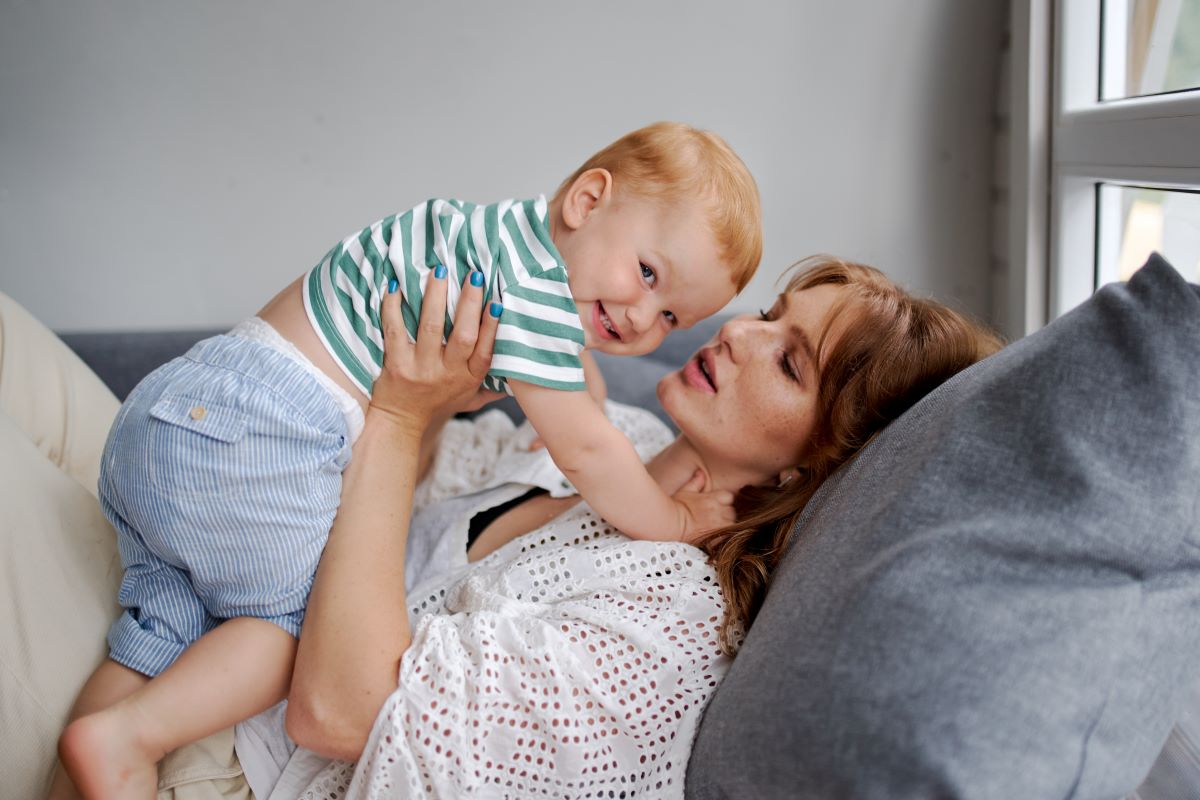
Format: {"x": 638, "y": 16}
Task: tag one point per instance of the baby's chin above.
{"x": 619, "y": 348}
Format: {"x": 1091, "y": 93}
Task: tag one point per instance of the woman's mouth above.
{"x": 603, "y": 325}
{"x": 698, "y": 373}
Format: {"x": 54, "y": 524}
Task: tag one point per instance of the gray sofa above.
{"x": 999, "y": 598}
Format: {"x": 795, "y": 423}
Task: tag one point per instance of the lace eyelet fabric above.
{"x": 488, "y": 450}
{"x": 572, "y": 662}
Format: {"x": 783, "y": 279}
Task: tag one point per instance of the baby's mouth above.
{"x": 606, "y": 322}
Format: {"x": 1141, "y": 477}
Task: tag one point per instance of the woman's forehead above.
{"x": 823, "y": 312}
{"x": 814, "y": 301}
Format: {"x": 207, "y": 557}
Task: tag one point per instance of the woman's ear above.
{"x": 788, "y": 475}
{"x": 590, "y": 190}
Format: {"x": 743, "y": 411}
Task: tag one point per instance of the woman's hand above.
{"x": 427, "y": 381}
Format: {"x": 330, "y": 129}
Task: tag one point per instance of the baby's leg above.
{"x": 222, "y": 478}
{"x": 238, "y": 669}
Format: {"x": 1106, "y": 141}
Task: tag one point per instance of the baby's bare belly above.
{"x": 285, "y": 313}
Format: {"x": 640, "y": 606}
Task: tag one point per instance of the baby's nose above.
{"x": 641, "y": 316}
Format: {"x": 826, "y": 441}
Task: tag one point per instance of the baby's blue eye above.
{"x": 648, "y": 274}
{"x": 670, "y": 317}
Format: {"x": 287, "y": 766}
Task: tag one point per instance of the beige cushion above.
{"x": 58, "y": 588}
{"x": 205, "y": 770}
{"x": 60, "y": 404}
{"x": 59, "y": 567}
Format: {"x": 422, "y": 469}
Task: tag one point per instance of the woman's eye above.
{"x": 763, "y": 315}
{"x": 648, "y": 275}
{"x": 786, "y": 365}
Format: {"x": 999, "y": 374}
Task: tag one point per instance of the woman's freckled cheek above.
{"x": 779, "y": 426}
{"x": 763, "y": 426}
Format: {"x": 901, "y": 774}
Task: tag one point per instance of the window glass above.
{"x": 1149, "y": 47}
{"x": 1133, "y": 221}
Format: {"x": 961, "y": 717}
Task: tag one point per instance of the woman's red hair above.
{"x": 894, "y": 349}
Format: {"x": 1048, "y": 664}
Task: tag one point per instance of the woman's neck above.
{"x": 672, "y": 468}
{"x": 678, "y": 461}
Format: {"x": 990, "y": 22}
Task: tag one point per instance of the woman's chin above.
{"x": 669, "y": 392}
{"x": 661, "y": 391}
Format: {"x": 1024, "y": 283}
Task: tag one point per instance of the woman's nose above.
{"x": 736, "y": 334}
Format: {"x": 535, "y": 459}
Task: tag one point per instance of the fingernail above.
{"x": 494, "y": 309}
{"x": 477, "y": 279}
{"x": 439, "y": 271}
{"x": 393, "y": 285}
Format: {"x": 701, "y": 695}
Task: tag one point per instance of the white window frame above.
{"x": 1028, "y": 175}
{"x": 1145, "y": 141}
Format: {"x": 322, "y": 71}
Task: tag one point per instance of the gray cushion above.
{"x": 123, "y": 358}
{"x": 1176, "y": 773}
{"x": 1000, "y": 597}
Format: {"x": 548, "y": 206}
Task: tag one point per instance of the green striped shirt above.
{"x": 540, "y": 336}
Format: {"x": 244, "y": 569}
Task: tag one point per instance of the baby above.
{"x": 223, "y": 471}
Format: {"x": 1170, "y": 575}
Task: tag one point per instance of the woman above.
{"x": 565, "y": 659}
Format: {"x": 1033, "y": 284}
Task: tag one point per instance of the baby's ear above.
{"x": 592, "y": 189}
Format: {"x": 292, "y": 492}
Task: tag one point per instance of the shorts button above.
{"x": 199, "y": 413}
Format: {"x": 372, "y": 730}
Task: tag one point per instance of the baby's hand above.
{"x": 703, "y": 511}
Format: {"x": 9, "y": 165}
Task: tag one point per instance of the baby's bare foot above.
{"x": 62, "y": 788}
{"x": 104, "y": 756}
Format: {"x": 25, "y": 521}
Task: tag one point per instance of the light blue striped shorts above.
{"x": 222, "y": 475}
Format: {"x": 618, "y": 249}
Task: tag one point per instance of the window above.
{"x": 1149, "y": 47}
{"x": 1125, "y": 142}
{"x": 1132, "y": 221}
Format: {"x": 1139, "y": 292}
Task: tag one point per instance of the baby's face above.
{"x": 640, "y": 268}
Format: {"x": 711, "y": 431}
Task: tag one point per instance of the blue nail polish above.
{"x": 439, "y": 271}
{"x": 393, "y": 285}
{"x": 495, "y": 309}
{"x": 477, "y": 279}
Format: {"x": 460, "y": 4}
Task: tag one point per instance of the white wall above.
{"x": 174, "y": 164}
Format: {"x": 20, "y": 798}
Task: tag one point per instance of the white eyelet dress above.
{"x": 572, "y": 662}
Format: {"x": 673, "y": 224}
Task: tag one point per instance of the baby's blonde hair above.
{"x": 671, "y": 161}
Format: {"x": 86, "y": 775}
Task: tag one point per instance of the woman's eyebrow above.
{"x": 798, "y": 333}
{"x": 805, "y": 343}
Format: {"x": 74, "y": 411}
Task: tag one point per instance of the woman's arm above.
{"x": 356, "y": 625}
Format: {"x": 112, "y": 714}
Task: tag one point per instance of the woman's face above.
{"x": 747, "y": 399}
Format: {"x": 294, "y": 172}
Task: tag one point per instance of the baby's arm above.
{"x": 605, "y": 468}
{"x": 596, "y": 387}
